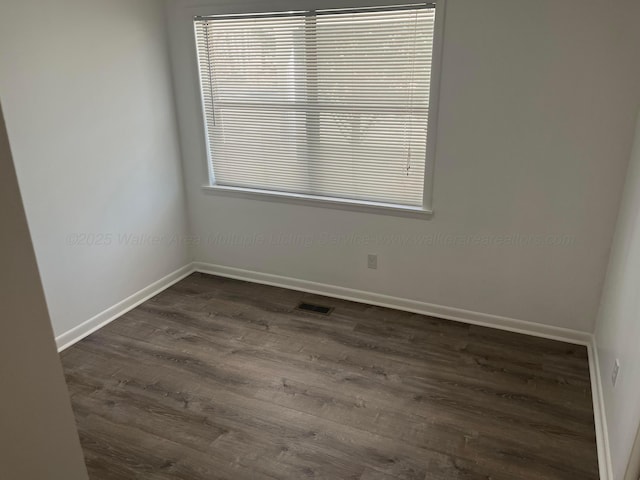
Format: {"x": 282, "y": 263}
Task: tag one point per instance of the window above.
{"x": 325, "y": 104}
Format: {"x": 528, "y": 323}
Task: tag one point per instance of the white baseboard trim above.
{"x": 86, "y": 328}
{"x": 450, "y": 313}
{"x": 414, "y": 306}
{"x": 599, "y": 414}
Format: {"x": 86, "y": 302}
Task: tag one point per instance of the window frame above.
{"x": 251, "y": 6}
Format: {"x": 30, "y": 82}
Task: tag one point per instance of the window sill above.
{"x": 318, "y": 201}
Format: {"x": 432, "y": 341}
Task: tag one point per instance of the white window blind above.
{"x": 330, "y": 103}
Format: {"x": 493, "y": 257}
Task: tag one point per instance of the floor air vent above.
{"x": 309, "y": 307}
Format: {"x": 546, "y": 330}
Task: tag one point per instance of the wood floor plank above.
{"x": 218, "y": 378}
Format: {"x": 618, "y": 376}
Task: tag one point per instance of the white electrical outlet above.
{"x": 615, "y": 372}
{"x": 372, "y": 261}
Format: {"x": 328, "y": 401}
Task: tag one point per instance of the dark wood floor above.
{"x": 222, "y": 379}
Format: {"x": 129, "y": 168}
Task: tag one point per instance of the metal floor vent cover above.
{"x": 310, "y": 307}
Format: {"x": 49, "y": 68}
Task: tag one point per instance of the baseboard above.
{"x": 466, "y": 316}
{"x": 599, "y": 414}
{"x": 414, "y": 306}
{"x": 450, "y": 313}
{"x": 76, "y": 334}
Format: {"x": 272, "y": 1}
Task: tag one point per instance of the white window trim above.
{"x": 319, "y": 201}
{"x": 249, "y": 6}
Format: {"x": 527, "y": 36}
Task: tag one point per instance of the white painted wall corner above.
{"x": 105, "y": 317}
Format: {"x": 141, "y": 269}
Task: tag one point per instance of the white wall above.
{"x": 90, "y": 114}
{"x": 618, "y": 327}
{"x": 536, "y": 120}
{"x": 39, "y": 438}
